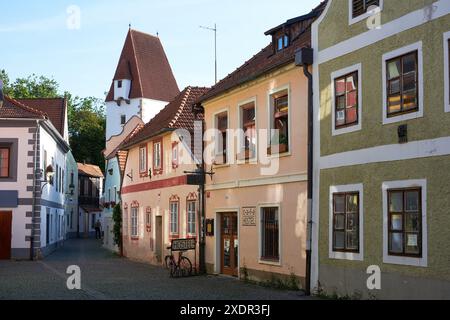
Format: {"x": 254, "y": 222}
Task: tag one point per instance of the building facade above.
{"x": 257, "y": 133}
{"x": 382, "y": 148}
{"x": 33, "y": 151}
{"x": 90, "y": 182}
{"x": 157, "y": 203}
{"x": 71, "y": 206}
{"x": 142, "y": 85}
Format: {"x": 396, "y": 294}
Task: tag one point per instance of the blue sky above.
{"x": 36, "y": 38}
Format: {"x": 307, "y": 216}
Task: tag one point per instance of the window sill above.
{"x": 402, "y": 117}
{"x": 270, "y": 262}
{"x": 346, "y": 129}
{"x": 352, "y": 256}
{"x": 407, "y": 261}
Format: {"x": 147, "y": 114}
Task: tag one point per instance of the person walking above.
{"x": 98, "y": 230}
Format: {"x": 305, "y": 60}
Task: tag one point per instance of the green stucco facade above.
{"x": 345, "y": 276}
{"x": 335, "y": 26}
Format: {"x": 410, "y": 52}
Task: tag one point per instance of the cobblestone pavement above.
{"x": 106, "y": 276}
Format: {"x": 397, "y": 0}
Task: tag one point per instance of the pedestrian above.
{"x": 98, "y": 228}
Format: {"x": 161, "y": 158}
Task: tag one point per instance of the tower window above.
{"x": 119, "y": 84}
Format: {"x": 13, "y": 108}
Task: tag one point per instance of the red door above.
{"x": 230, "y": 244}
{"x": 5, "y": 235}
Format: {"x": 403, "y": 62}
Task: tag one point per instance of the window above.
{"x": 346, "y": 100}
{"x": 401, "y": 82}
{"x": 174, "y": 155}
{"x": 346, "y": 222}
{"x": 404, "y": 222}
{"x": 4, "y": 162}
{"x": 270, "y": 235}
{"x": 157, "y": 157}
{"x": 248, "y": 125}
{"x": 360, "y": 7}
{"x": 57, "y": 178}
{"x": 71, "y": 219}
{"x": 143, "y": 159}
{"x": 174, "y": 215}
{"x": 115, "y": 194}
{"x": 119, "y": 84}
{"x": 280, "y": 122}
{"x": 134, "y": 222}
{"x": 222, "y": 143}
{"x": 191, "y": 217}
{"x": 123, "y": 119}
{"x": 282, "y": 42}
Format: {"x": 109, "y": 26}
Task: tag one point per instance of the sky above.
{"x": 46, "y": 37}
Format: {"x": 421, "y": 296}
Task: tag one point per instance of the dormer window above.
{"x": 122, "y": 89}
{"x": 282, "y": 42}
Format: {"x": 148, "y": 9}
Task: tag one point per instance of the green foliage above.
{"x": 117, "y": 231}
{"x": 86, "y": 116}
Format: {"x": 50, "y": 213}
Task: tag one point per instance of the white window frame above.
{"x": 362, "y": 17}
{"x": 347, "y": 255}
{"x": 338, "y": 74}
{"x": 410, "y": 261}
{"x": 143, "y": 159}
{"x": 216, "y": 139}
{"x": 446, "y": 73}
{"x": 394, "y": 54}
{"x": 190, "y": 222}
{"x": 241, "y": 127}
{"x": 172, "y": 220}
{"x": 280, "y": 233}
{"x": 157, "y": 155}
{"x": 134, "y": 223}
{"x": 270, "y": 109}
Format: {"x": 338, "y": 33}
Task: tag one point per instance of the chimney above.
{"x": 2, "y": 97}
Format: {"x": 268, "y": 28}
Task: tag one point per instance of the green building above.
{"x": 382, "y": 149}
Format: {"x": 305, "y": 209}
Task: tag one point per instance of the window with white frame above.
{"x": 403, "y": 84}
{"x": 157, "y": 156}
{"x": 279, "y": 122}
{"x": 405, "y": 222}
{"x": 221, "y": 121}
{"x": 174, "y": 155}
{"x": 143, "y": 159}
{"x": 191, "y": 217}
{"x": 346, "y": 222}
{"x": 360, "y": 7}
{"x": 247, "y": 115}
{"x": 270, "y": 234}
{"x": 134, "y": 222}
{"x": 174, "y": 217}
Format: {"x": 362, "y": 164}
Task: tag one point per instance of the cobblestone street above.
{"x": 106, "y": 276}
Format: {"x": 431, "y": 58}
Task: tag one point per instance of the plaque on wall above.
{"x": 209, "y": 227}
{"x": 249, "y": 217}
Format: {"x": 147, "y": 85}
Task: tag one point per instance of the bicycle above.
{"x": 182, "y": 267}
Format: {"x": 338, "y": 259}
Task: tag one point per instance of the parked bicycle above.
{"x": 180, "y": 267}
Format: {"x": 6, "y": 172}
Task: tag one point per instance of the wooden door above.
{"x": 229, "y": 244}
{"x": 5, "y": 234}
{"x": 158, "y": 238}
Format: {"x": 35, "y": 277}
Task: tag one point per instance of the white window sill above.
{"x": 354, "y": 128}
{"x": 346, "y": 256}
{"x": 270, "y": 263}
{"x": 407, "y": 261}
{"x": 403, "y": 117}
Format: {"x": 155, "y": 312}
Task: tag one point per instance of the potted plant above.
{"x": 283, "y": 145}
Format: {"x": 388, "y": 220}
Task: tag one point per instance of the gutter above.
{"x": 33, "y": 209}
{"x": 305, "y": 58}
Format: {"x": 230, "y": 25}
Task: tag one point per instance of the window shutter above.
{"x": 360, "y": 6}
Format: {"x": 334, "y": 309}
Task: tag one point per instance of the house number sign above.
{"x": 249, "y": 217}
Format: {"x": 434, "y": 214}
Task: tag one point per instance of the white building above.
{"x": 33, "y": 150}
{"x": 143, "y": 84}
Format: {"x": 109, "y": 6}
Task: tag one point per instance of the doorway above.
{"x": 229, "y": 243}
{"x": 5, "y": 234}
{"x": 159, "y": 240}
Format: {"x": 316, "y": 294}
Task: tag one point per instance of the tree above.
{"x": 86, "y": 116}
{"x": 117, "y": 218}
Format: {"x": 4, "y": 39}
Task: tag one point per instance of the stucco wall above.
{"x": 435, "y": 122}
{"x": 335, "y": 27}
{"x": 372, "y": 176}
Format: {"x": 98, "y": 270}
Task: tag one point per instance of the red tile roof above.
{"x": 267, "y": 60}
{"x": 55, "y": 108}
{"x": 90, "y": 170}
{"x": 176, "y": 115}
{"x": 144, "y": 61}
{"x": 15, "y": 109}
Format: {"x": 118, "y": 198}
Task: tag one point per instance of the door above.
{"x": 5, "y": 234}
{"x": 229, "y": 244}
{"x": 159, "y": 240}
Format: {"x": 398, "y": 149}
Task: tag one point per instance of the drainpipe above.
{"x": 33, "y": 210}
{"x": 305, "y": 58}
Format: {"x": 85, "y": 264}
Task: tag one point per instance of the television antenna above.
{"x": 215, "y": 46}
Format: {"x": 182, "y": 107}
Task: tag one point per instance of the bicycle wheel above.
{"x": 186, "y": 266}
{"x": 168, "y": 261}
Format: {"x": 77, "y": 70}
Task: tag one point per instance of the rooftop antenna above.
{"x": 129, "y": 26}
{"x": 215, "y": 46}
